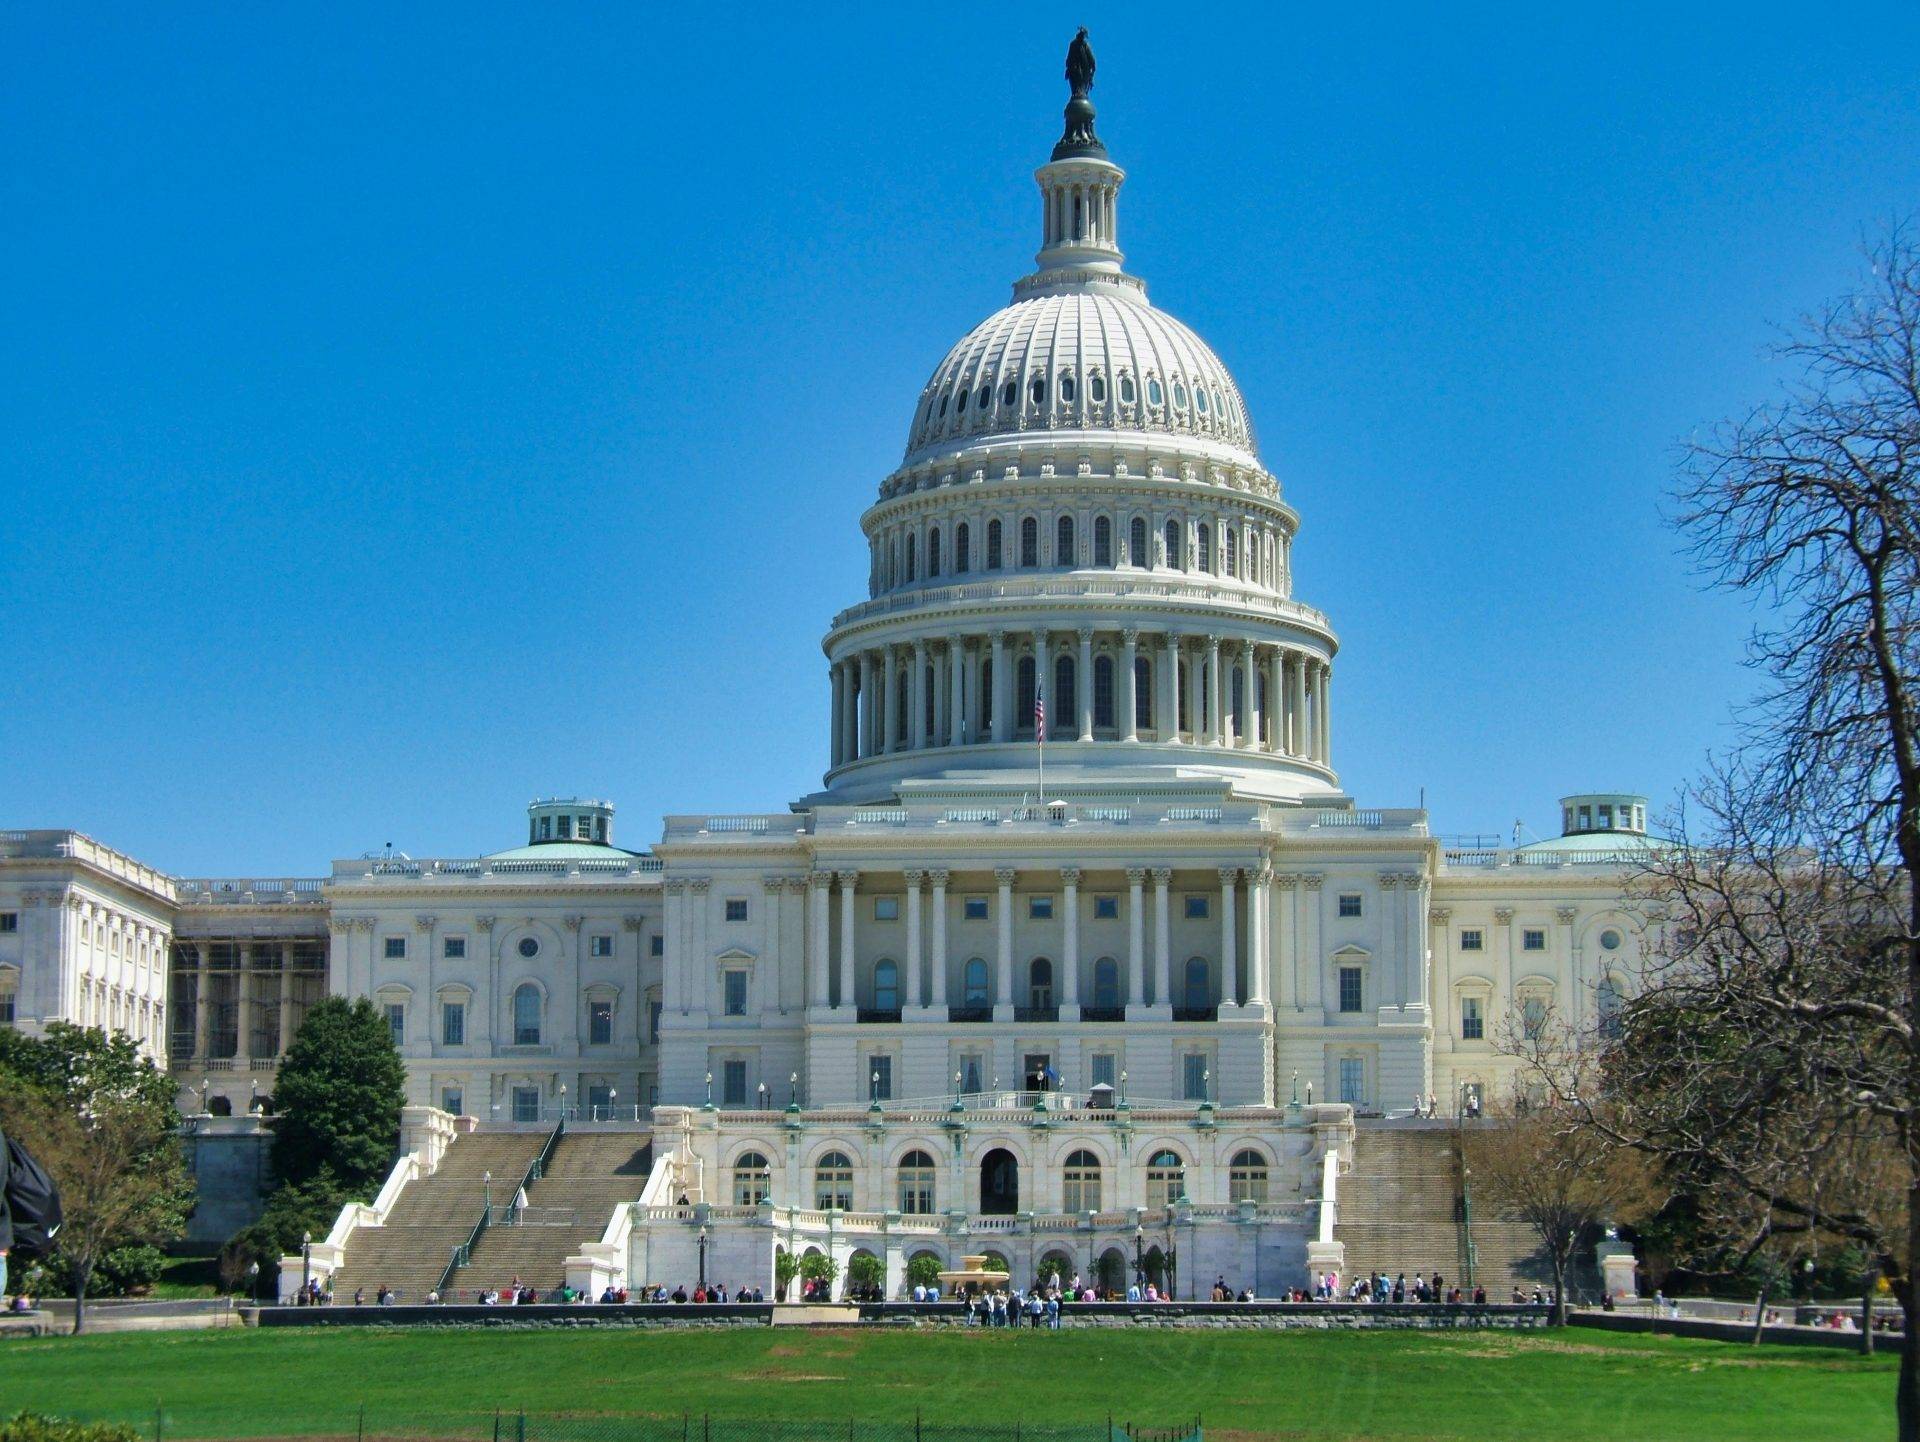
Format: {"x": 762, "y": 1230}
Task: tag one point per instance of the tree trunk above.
{"x": 1760, "y": 1317}
{"x": 1559, "y": 1289}
{"x": 1866, "y": 1321}
{"x": 82, "y": 1274}
{"x": 1907, "y": 1394}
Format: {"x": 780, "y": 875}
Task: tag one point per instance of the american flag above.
{"x": 1040, "y": 712}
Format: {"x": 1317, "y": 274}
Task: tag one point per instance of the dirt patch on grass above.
{"x": 774, "y": 1374}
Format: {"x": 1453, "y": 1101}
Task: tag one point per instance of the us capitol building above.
{"x": 932, "y": 1005}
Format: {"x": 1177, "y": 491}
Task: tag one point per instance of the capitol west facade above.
{"x": 931, "y": 1006}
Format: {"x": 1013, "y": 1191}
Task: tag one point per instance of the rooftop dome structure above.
{"x": 1080, "y": 540}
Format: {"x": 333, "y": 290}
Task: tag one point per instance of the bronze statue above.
{"x": 1080, "y": 63}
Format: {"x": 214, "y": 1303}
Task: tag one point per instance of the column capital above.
{"x": 633, "y": 923}
{"x": 1130, "y": 635}
{"x": 1440, "y": 915}
{"x": 1229, "y": 875}
{"x": 1136, "y": 875}
{"x": 820, "y": 879}
{"x": 1566, "y": 915}
{"x": 1286, "y": 880}
{"x": 1003, "y": 875}
{"x": 939, "y": 876}
{"x": 1389, "y": 880}
{"x": 699, "y": 884}
{"x": 1502, "y": 915}
{"x": 848, "y": 879}
{"x": 1261, "y": 875}
{"x": 424, "y": 923}
{"x": 797, "y": 884}
{"x": 998, "y": 636}
{"x": 363, "y": 923}
{"x": 915, "y": 878}
{"x": 1313, "y": 880}
{"x": 1163, "y": 876}
{"x": 573, "y": 923}
{"x": 1070, "y": 875}
{"x": 1086, "y": 635}
{"x": 484, "y": 923}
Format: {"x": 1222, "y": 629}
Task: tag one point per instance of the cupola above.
{"x": 1603, "y": 811}
{"x": 569, "y": 818}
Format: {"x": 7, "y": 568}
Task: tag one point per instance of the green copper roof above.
{"x": 1589, "y": 842}
{"x": 563, "y": 851}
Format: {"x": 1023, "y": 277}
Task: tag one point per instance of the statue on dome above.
{"x": 1079, "y": 139}
{"x": 1080, "y": 63}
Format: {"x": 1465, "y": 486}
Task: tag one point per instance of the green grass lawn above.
{"x": 1486, "y": 1386}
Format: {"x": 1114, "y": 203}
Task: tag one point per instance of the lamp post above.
{"x": 563, "y": 1101}
{"x": 793, "y": 1091}
{"x": 1123, "y": 1092}
{"x": 1294, "y": 1104}
{"x": 703, "y": 1255}
{"x": 486, "y": 1180}
{"x": 709, "y": 1091}
{"x": 957, "y": 1106}
{"x": 1140, "y": 1257}
{"x": 306, "y": 1263}
{"x": 613, "y": 1103}
{"x": 763, "y": 1096}
{"x": 253, "y": 1282}
{"x": 873, "y": 1089}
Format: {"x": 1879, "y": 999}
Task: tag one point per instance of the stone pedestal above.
{"x": 1616, "y": 1269}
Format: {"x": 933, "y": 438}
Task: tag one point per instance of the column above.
{"x": 1169, "y": 679}
{"x": 1503, "y": 997}
{"x": 1296, "y": 704}
{"x": 937, "y": 660}
{"x": 1136, "y": 930}
{"x": 1003, "y": 956}
{"x": 998, "y": 708}
{"x": 889, "y": 702}
{"x": 1312, "y": 967}
{"x": 1570, "y": 987}
{"x": 242, "y": 1004}
{"x": 938, "y": 990}
{"x": 1326, "y": 714}
{"x": 850, "y": 746}
{"x": 911, "y": 996}
{"x": 819, "y": 962}
{"x": 1056, "y": 723}
{"x": 1070, "y": 947}
{"x": 957, "y": 692}
{"x": 1162, "y": 941}
{"x": 1216, "y": 716}
{"x": 1276, "y": 717}
{"x": 203, "y": 1004}
{"x": 1196, "y": 700}
{"x": 848, "y": 880}
{"x": 1249, "y": 689}
{"x": 1129, "y": 688}
{"x": 1393, "y": 931}
{"x": 286, "y": 1002}
{"x": 1083, "y": 684}
{"x": 1229, "y": 938}
{"x": 839, "y": 674}
{"x": 867, "y": 700}
{"x": 1287, "y": 955}
{"x": 699, "y": 972}
{"x": 917, "y": 723}
{"x": 1259, "y": 935}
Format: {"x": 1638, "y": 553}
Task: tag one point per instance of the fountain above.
{"x": 974, "y": 1275}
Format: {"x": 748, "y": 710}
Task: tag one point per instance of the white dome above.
{"x": 1068, "y": 358}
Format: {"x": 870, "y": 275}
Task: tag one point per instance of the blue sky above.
{"x": 410, "y": 409}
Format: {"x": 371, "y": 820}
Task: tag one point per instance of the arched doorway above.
{"x": 1113, "y": 1271}
{"x": 1156, "y": 1267}
{"x": 999, "y": 1183}
{"x": 1056, "y": 1268}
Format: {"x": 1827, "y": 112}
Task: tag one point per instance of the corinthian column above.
{"x": 914, "y": 880}
{"x": 1229, "y": 939}
{"x": 1083, "y": 687}
{"x": 849, "y": 880}
{"x": 1070, "y": 949}
{"x": 1249, "y": 687}
{"x": 1216, "y": 716}
{"x": 1162, "y": 942}
{"x": 938, "y": 990}
{"x": 998, "y": 709}
{"x": 838, "y": 673}
{"x": 1136, "y": 940}
{"x": 957, "y": 693}
{"x": 1129, "y": 686}
{"x": 1003, "y": 955}
{"x": 917, "y": 692}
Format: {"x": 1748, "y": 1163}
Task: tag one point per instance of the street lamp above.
{"x": 793, "y": 1091}
{"x": 306, "y": 1263}
{"x": 703, "y": 1256}
{"x": 709, "y": 1091}
{"x": 563, "y": 1101}
{"x": 956, "y": 1093}
{"x": 873, "y": 1089}
{"x": 486, "y": 1180}
{"x": 1294, "y": 1104}
{"x": 762, "y": 1091}
{"x": 613, "y": 1103}
{"x": 253, "y": 1282}
{"x": 1123, "y": 1092}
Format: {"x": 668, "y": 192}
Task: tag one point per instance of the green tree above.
{"x": 100, "y": 1117}
{"x": 867, "y": 1272}
{"x": 818, "y": 1267}
{"x": 786, "y": 1267}
{"x": 923, "y": 1270}
{"x": 339, "y": 1095}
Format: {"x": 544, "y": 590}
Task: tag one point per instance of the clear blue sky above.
{"x": 408, "y": 409}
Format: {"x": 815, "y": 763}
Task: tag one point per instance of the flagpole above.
{"x": 1040, "y": 737}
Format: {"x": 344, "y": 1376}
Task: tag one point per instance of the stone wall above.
{"x": 228, "y": 1157}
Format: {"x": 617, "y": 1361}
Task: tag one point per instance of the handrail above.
{"x": 463, "y": 1253}
{"x": 535, "y": 1170}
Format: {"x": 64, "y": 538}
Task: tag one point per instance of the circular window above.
{"x": 1179, "y": 395}
{"x": 1610, "y": 940}
{"x": 529, "y": 947}
{"x": 1097, "y": 388}
{"x": 1126, "y": 389}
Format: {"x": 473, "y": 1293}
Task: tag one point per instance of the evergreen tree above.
{"x": 338, "y": 1096}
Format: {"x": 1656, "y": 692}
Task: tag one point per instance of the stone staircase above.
{"x": 432, "y": 1216}
{"x": 589, "y": 1174}
{"x": 1400, "y": 1213}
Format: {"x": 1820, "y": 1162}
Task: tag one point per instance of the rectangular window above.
{"x": 973, "y": 1072}
{"x": 653, "y": 1023}
{"x": 879, "y": 1078}
{"x": 526, "y": 1104}
{"x": 735, "y": 983}
{"x": 1100, "y": 1069}
{"x": 1533, "y": 938}
{"x": 453, "y": 1101}
{"x": 1193, "y": 1076}
{"x": 1349, "y": 903}
{"x": 600, "y": 946}
{"x": 1196, "y": 908}
{"x": 1353, "y": 1081}
{"x": 736, "y": 908}
{"x": 1106, "y": 908}
{"x": 656, "y": 946}
{"x": 395, "y": 949}
{"x": 454, "y": 948}
{"x": 733, "y": 1082}
{"x": 886, "y": 908}
{"x": 1473, "y": 1025}
{"x": 9, "y": 921}
{"x": 397, "y": 1022}
{"x": 974, "y": 908}
{"x": 6, "y": 1008}
{"x": 1040, "y": 908}
{"x": 1350, "y": 988}
{"x": 453, "y": 1023}
{"x": 599, "y": 1101}
{"x": 600, "y": 1023}
{"x": 1473, "y": 939}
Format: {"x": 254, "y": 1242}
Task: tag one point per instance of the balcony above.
{"x": 1036, "y": 1013}
{"x": 877, "y": 1015}
{"x": 1103, "y": 1013}
{"x": 969, "y": 1013}
{"x": 1196, "y": 1013}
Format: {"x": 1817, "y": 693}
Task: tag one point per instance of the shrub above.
{"x": 38, "y": 1427}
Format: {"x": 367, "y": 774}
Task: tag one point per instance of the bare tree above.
{"x": 1772, "y": 1058}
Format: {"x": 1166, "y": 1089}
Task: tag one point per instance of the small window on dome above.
{"x": 1037, "y": 389}
{"x": 943, "y": 405}
{"x": 1153, "y": 392}
{"x": 1180, "y": 395}
{"x": 1009, "y": 393}
{"x": 1126, "y": 390}
{"x": 960, "y": 403}
{"x": 1066, "y": 390}
{"x": 986, "y": 396}
{"x": 1097, "y": 389}
{"x": 1199, "y": 399}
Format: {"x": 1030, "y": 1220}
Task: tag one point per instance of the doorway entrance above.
{"x": 999, "y": 1183}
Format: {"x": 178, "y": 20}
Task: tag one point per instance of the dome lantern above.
{"x": 1079, "y": 192}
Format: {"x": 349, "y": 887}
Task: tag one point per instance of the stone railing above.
{"x": 77, "y": 846}
{"x": 1499, "y": 858}
{"x": 1115, "y": 585}
{"x": 252, "y": 891}
{"x": 469, "y": 869}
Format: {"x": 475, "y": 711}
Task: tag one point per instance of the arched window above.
{"x": 1097, "y": 388}
{"x": 1154, "y": 393}
{"x": 1065, "y": 704}
{"x": 1037, "y": 390}
{"x": 1009, "y": 393}
{"x": 1039, "y": 983}
{"x": 960, "y": 402}
{"x": 1166, "y": 1178}
{"x": 1063, "y": 552}
{"x": 1247, "y": 1177}
{"x": 1195, "y": 978}
{"x": 886, "y": 986}
{"x": 916, "y": 1184}
{"x": 1102, "y": 541}
{"x": 1199, "y": 399}
{"x": 1066, "y": 390}
{"x": 986, "y": 396}
{"x": 993, "y": 545}
{"x": 1239, "y": 688}
{"x": 1023, "y": 695}
{"x": 1607, "y": 1003}
{"x": 1029, "y": 542}
{"x": 1533, "y": 1016}
{"x": 1180, "y": 394}
{"x": 933, "y": 553}
{"x": 1106, "y": 984}
{"x": 526, "y": 1014}
{"x": 1080, "y": 1182}
{"x": 903, "y": 687}
{"x": 833, "y": 1183}
{"x": 1142, "y": 693}
{"x": 1233, "y": 553}
{"x": 1173, "y": 545}
{"x": 974, "y": 983}
{"x": 1126, "y": 389}
{"x": 752, "y": 1180}
{"x": 910, "y": 571}
{"x": 1103, "y": 690}
{"x": 1137, "y": 543}
{"x": 1202, "y": 548}
{"x": 962, "y": 549}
